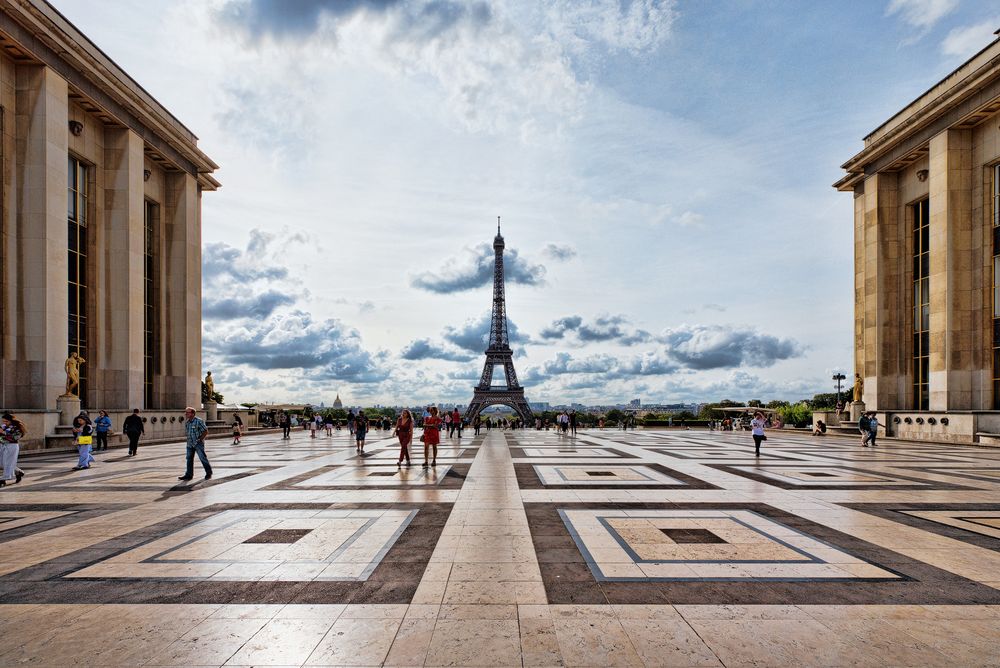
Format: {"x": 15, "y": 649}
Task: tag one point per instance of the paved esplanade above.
{"x": 656, "y": 547}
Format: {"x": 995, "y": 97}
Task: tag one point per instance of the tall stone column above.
{"x": 878, "y": 245}
{"x": 181, "y": 287}
{"x": 40, "y": 191}
{"x": 954, "y": 296}
{"x": 120, "y": 281}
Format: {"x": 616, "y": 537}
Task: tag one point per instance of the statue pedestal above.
{"x": 857, "y": 410}
{"x": 211, "y": 411}
{"x": 68, "y": 406}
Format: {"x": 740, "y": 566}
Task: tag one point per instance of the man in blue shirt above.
{"x": 196, "y": 430}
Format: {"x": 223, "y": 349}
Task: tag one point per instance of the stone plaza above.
{"x": 649, "y": 547}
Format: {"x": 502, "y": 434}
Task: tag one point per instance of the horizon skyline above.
{"x": 663, "y": 172}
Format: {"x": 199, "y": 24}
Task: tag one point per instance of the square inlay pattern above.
{"x": 564, "y": 453}
{"x": 685, "y": 553}
{"x": 376, "y": 476}
{"x": 727, "y": 545}
{"x": 611, "y": 476}
{"x": 343, "y": 553}
{"x": 812, "y": 476}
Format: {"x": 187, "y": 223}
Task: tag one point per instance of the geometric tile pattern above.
{"x": 674, "y": 547}
{"x": 345, "y": 552}
{"x": 813, "y": 476}
{"x": 605, "y": 476}
{"x": 599, "y": 554}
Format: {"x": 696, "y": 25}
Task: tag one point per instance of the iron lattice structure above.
{"x": 498, "y": 353}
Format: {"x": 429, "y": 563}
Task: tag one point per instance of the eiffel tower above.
{"x": 498, "y": 353}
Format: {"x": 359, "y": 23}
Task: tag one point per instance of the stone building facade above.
{"x": 100, "y": 230}
{"x": 926, "y": 192}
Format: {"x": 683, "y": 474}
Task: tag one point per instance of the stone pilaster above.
{"x": 878, "y": 257}
{"x": 181, "y": 290}
{"x": 40, "y": 187}
{"x": 952, "y": 280}
{"x": 120, "y": 288}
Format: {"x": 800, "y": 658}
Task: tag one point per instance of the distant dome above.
{"x": 337, "y": 403}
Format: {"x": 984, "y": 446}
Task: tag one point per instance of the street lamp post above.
{"x": 839, "y": 377}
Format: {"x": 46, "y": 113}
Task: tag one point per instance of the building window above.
{"x": 151, "y": 225}
{"x": 996, "y": 287}
{"x": 921, "y": 303}
{"x": 77, "y": 219}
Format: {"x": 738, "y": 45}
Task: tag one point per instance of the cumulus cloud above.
{"x": 475, "y": 270}
{"x": 498, "y": 65}
{"x": 559, "y": 252}
{"x": 474, "y": 334}
{"x": 966, "y": 41}
{"x": 422, "y": 349}
{"x": 296, "y": 341}
{"x": 607, "y": 367}
{"x": 921, "y": 14}
{"x": 604, "y": 328}
{"x": 716, "y": 346}
{"x": 240, "y": 306}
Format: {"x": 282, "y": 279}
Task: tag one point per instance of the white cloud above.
{"x": 966, "y": 41}
{"x": 921, "y": 14}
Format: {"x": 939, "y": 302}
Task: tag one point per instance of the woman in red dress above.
{"x": 404, "y": 432}
{"x": 432, "y": 434}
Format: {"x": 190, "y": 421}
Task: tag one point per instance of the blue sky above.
{"x": 663, "y": 170}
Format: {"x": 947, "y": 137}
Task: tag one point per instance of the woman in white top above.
{"x": 757, "y": 425}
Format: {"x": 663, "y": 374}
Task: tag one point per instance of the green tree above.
{"x": 614, "y": 415}
{"x": 825, "y": 400}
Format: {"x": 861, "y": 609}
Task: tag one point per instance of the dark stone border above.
{"x": 951, "y": 473}
{"x": 518, "y": 453}
{"x": 78, "y": 513}
{"x": 568, "y": 579}
{"x": 528, "y": 479}
{"x": 894, "y": 512}
{"x": 394, "y": 580}
{"x": 453, "y": 479}
{"x": 55, "y": 481}
{"x": 691, "y": 454}
{"x": 928, "y": 485}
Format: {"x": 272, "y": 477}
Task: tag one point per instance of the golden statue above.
{"x": 209, "y": 387}
{"x": 72, "y": 367}
{"x": 859, "y": 387}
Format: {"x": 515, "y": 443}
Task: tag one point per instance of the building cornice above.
{"x": 48, "y": 37}
{"x": 964, "y": 98}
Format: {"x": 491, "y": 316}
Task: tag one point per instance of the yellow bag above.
{"x": 85, "y": 440}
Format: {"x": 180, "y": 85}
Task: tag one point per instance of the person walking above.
{"x": 328, "y": 425}
{"x": 102, "y": 425}
{"x": 285, "y": 421}
{"x": 864, "y": 428}
{"x": 350, "y": 422}
{"x": 13, "y": 431}
{"x": 236, "y": 431}
{"x": 360, "y": 430}
{"x": 757, "y": 425}
{"x": 133, "y": 428}
{"x": 404, "y": 432}
{"x": 196, "y": 430}
{"x": 572, "y": 423}
{"x": 872, "y": 428}
{"x": 477, "y": 424}
{"x": 456, "y": 421}
{"x": 83, "y": 433}
{"x": 432, "y": 435}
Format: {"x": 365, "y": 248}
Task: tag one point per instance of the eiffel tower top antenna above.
{"x": 498, "y": 225}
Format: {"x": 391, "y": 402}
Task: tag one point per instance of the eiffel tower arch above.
{"x": 499, "y": 354}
